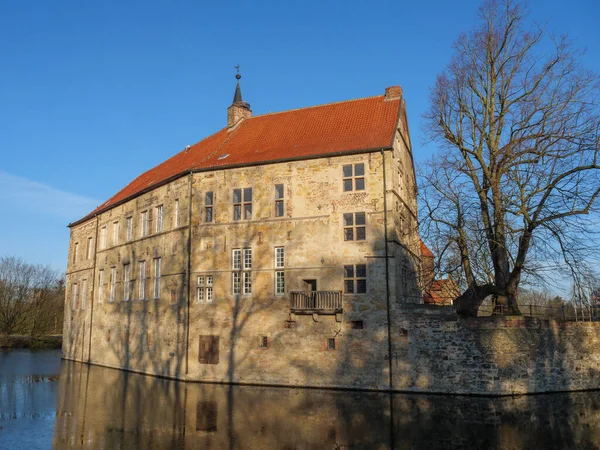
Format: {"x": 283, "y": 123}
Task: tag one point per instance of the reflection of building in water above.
{"x": 273, "y": 251}
{"x": 110, "y": 409}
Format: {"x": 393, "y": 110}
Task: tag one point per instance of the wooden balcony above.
{"x": 317, "y": 302}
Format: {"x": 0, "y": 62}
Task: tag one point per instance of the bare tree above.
{"x": 30, "y": 296}
{"x": 519, "y": 123}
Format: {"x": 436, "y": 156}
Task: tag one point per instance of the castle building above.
{"x": 276, "y": 251}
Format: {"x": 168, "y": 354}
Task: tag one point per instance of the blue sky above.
{"x": 94, "y": 93}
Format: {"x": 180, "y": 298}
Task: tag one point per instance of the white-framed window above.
{"x": 247, "y": 258}
{"x": 280, "y": 282}
{"x": 353, "y": 177}
{"x": 279, "y": 274}
{"x": 126, "y": 282}
{"x": 242, "y": 275}
{"x": 159, "y": 218}
{"x": 242, "y": 203}
{"x": 208, "y": 207}
{"x": 90, "y": 248}
{"x": 176, "y": 214}
{"x": 247, "y": 282}
{"x": 142, "y": 293}
{"x": 144, "y": 223}
{"x": 279, "y": 200}
{"x": 83, "y": 293}
{"x": 355, "y": 279}
{"x": 157, "y": 263}
{"x": 103, "y": 237}
{"x": 113, "y": 284}
{"x": 129, "y": 226}
{"x": 237, "y": 285}
{"x": 279, "y": 257}
{"x": 75, "y": 252}
{"x": 205, "y": 289}
{"x": 100, "y": 285}
{"x": 355, "y": 226}
{"x": 116, "y": 232}
{"x": 74, "y": 295}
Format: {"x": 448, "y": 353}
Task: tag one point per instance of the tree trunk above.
{"x": 506, "y": 305}
{"x": 468, "y": 303}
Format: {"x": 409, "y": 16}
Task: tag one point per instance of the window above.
{"x": 126, "y": 282}
{"x": 113, "y": 283}
{"x": 100, "y": 285}
{"x": 176, "y": 215}
{"x": 247, "y": 258}
{"x": 242, "y": 204}
{"x": 357, "y": 325}
{"x": 75, "y": 252}
{"x": 331, "y": 344}
{"x": 129, "y": 224}
{"x": 279, "y": 257}
{"x": 355, "y": 279}
{"x": 103, "y": 237}
{"x": 205, "y": 289}
{"x": 157, "y": 262}
{"x": 247, "y": 282}
{"x": 159, "y": 218}
{"x": 280, "y": 282}
{"x": 142, "y": 280}
{"x": 144, "y": 223}
{"x": 115, "y": 233}
{"x": 354, "y": 177}
{"x": 354, "y": 226}
{"x": 90, "y": 249}
{"x": 242, "y": 277}
{"x": 279, "y": 200}
{"x": 263, "y": 342}
{"x": 83, "y": 293}
{"x": 74, "y": 295}
{"x": 279, "y": 274}
{"x": 208, "y": 207}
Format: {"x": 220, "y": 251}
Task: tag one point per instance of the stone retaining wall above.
{"x": 494, "y": 355}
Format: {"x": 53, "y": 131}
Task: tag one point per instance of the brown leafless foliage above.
{"x": 519, "y": 123}
{"x": 31, "y": 298}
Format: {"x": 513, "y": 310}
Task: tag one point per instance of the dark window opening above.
{"x": 355, "y": 279}
{"x": 355, "y": 226}
{"x": 208, "y": 207}
{"x": 331, "y": 344}
{"x": 357, "y": 324}
{"x": 353, "y": 177}
{"x": 263, "y": 342}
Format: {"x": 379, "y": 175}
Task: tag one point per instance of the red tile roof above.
{"x": 425, "y": 251}
{"x": 331, "y": 129}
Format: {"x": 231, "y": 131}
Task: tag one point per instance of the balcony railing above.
{"x": 320, "y": 302}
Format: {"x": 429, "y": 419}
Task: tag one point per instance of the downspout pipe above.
{"x": 387, "y": 269}
{"x": 93, "y": 291}
{"x": 189, "y": 273}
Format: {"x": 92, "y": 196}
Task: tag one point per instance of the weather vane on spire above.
{"x": 237, "y": 75}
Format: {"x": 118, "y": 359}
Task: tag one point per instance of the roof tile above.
{"x": 352, "y": 125}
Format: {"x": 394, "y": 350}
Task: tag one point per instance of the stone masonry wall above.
{"x": 498, "y": 356}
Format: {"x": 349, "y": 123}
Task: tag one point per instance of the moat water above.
{"x": 46, "y": 403}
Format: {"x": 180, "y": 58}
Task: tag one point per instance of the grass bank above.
{"x": 16, "y": 341}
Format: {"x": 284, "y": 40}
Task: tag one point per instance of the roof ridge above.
{"x": 314, "y": 106}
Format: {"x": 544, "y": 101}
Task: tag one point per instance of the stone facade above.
{"x": 189, "y": 323}
{"x": 495, "y": 355}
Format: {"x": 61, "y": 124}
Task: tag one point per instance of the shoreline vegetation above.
{"x": 30, "y": 342}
